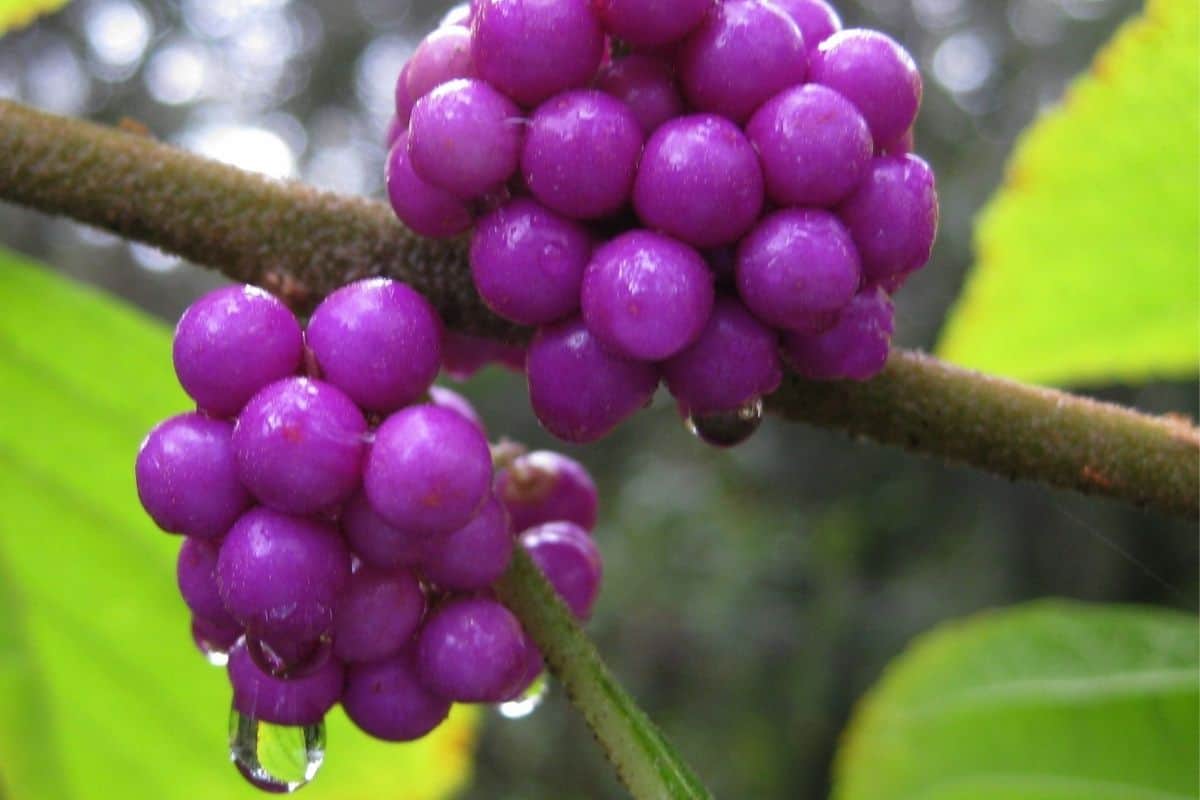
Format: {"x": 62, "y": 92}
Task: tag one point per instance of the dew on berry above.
{"x": 528, "y": 701}
{"x": 213, "y": 641}
{"x": 727, "y": 428}
{"x": 278, "y": 759}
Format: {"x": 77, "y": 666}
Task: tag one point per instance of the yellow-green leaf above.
{"x": 18, "y": 13}
{"x": 1051, "y": 701}
{"x": 101, "y": 692}
{"x": 1088, "y": 259}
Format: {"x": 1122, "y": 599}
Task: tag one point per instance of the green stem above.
{"x": 641, "y": 756}
{"x": 301, "y": 244}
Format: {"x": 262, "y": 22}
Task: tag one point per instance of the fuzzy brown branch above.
{"x": 302, "y": 243}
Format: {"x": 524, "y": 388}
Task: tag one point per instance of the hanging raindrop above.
{"x": 275, "y": 758}
{"x": 728, "y": 428}
{"x": 528, "y": 702}
{"x": 289, "y": 661}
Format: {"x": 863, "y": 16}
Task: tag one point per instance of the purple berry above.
{"x": 534, "y": 667}
{"x": 233, "y": 342}
{"x": 196, "y": 575}
{"x": 581, "y": 153}
{"x": 795, "y": 264}
{"x": 646, "y": 296}
{"x": 378, "y": 341}
{"x": 647, "y": 86}
{"x": 386, "y": 700}
{"x": 580, "y": 391}
{"x": 699, "y": 181}
{"x": 813, "y": 144}
{"x": 471, "y": 650}
{"x": 300, "y": 701}
{"x": 533, "y": 49}
{"x": 899, "y": 147}
{"x": 893, "y": 216}
{"x": 404, "y": 104}
{"x": 448, "y": 398}
{"x": 377, "y": 614}
{"x": 299, "y": 445}
{"x": 280, "y": 576}
{"x": 394, "y": 129}
{"x": 744, "y": 52}
{"x": 429, "y": 470}
{"x": 214, "y": 641}
{"x": 442, "y": 56}
{"x": 570, "y": 560}
{"x": 855, "y": 348}
{"x": 816, "y": 19}
{"x": 378, "y": 543}
{"x": 464, "y": 355}
{"x": 474, "y": 556}
{"x": 544, "y": 486}
{"x": 527, "y": 262}
{"x": 420, "y": 205}
{"x": 735, "y": 361}
{"x": 187, "y": 477}
{"x": 876, "y": 74}
{"x": 651, "y": 23}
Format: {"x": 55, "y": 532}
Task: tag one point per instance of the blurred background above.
{"x": 751, "y": 596}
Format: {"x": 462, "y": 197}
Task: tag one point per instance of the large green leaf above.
{"x": 16, "y": 13}
{"x": 1053, "y": 701}
{"x": 1089, "y": 257}
{"x": 101, "y": 692}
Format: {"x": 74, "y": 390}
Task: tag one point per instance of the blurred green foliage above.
{"x": 15, "y": 13}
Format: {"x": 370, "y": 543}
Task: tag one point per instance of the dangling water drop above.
{"x": 528, "y": 702}
{"x": 728, "y": 428}
{"x": 275, "y": 758}
{"x": 213, "y": 642}
{"x": 289, "y": 661}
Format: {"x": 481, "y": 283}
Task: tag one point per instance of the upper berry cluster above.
{"x": 694, "y": 191}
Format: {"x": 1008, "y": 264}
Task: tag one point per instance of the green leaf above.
{"x": 1089, "y": 257}
{"x": 18, "y": 13}
{"x": 103, "y": 694}
{"x": 1051, "y": 701}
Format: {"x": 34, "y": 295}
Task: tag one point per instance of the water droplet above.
{"x": 275, "y": 758}
{"x": 528, "y": 702}
{"x": 728, "y": 428}
{"x": 213, "y": 642}
{"x": 289, "y": 661}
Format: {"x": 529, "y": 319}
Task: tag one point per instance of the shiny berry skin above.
{"x": 651, "y": 23}
{"x": 377, "y": 614}
{"x": 816, "y": 19}
{"x": 443, "y": 55}
{"x": 300, "y": 701}
{"x": 855, "y": 348}
{"x": 474, "y": 556}
{"x": 386, "y": 700}
{"x": 471, "y": 650}
{"x": 647, "y": 86}
{"x": 423, "y": 207}
{"x": 570, "y": 560}
{"x": 544, "y": 486}
{"x": 893, "y": 216}
{"x": 875, "y": 73}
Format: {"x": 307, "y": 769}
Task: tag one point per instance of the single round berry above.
{"x": 196, "y": 575}
{"x": 855, "y": 348}
{"x": 471, "y": 650}
{"x": 580, "y": 391}
{"x": 544, "y": 486}
{"x": 795, "y": 264}
{"x": 893, "y": 216}
{"x": 377, "y": 542}
{"x": 581, "y": 153}
{"x": 876, "y": 74}
{"x": 420, "y": 205}
{"x": 813, "y": 144}
{"x": 474, "y": 556}
{"x": 231, "y": 343}
{"x": 377, "y": 614}
{"x": 744, "y": 52}
{"x": 299, "y": 445}
{"x": 465, "y": 137}
{"x": 464, "y": 355}
{"x": 533, "y": 49}
{"x": 646, "y": 296}
{"x": 647, "y": 86}
{"x": 378, "y": 341}
{"x": 280, "y": 576}
{"x": 699, "y": 181}
{"x": 448, "y": 398}
{"x": 442, "y": 56}
{"x": 429, "y": 470}
{"x": 816, "y": 19}
{"x": 651, "y": 23}
{"x": 570, "y": 560}
{"x": 734, "y": 362}
{"x": 187, "y": 477}
{"x": 527, "y": 262}
{"x": 300, "y": 701}
{"x": 386, "y": 700}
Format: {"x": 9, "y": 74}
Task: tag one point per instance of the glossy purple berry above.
{"x": 474, "y": 556}
{"x": 893, "y": 216}
{"x": 396, "y": 127}
{"x": 646, "y": 85}
{"x": 579, "y": 390}
{"x": 734, "y": 362}
{"x": 855, "y": 348}
{"x": 423, "y": 207}
{"x": 699, "y": 181}
{"x": 376, "y": 541}
{"x": 795, "y": 264}
{"x": 377, "y": 614}
{"x": 471, "y": 650}
{"x": 299, "y": 445}
{"x": 385, "y": 699}
{"x": 464, "y": 355}
{"x": 744, "y": 52}
{"x": 544, "y": 486}
{"x": 527, "y": 262}
{"x": 299, "y": 701}
{"x": 187, "y": 477}
{"x": 651, "y": 23}
{"x": 378, "y": 341}
{"x": 813, "y": 144}
{"x": 448, "y": 398}
{"x": 646, "y": 296}
{"x": 429, "y": 470}
{"x": 898, "y": 147}
{"x": 231, "y": 343}
{"x": 876, "y": 74}
{"x": 570, "y": 560}
{"x": 816, "y": 19}
{"x": 581, "y": 153}
{"x": 533, "y": 49}
{"x": 196, "y": 575}
{"x": 404, "y": 103}
{"x": 442, "y": 56}
{"x": 280, "y": 576}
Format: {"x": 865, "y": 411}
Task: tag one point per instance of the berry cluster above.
{"x": 343, "y": 522}
{"x": 694, "y": 191}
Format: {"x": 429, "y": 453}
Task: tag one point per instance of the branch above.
{"x": 301, "y": 244}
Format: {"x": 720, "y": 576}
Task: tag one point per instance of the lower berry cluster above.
{"x": 344, "y": 520}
